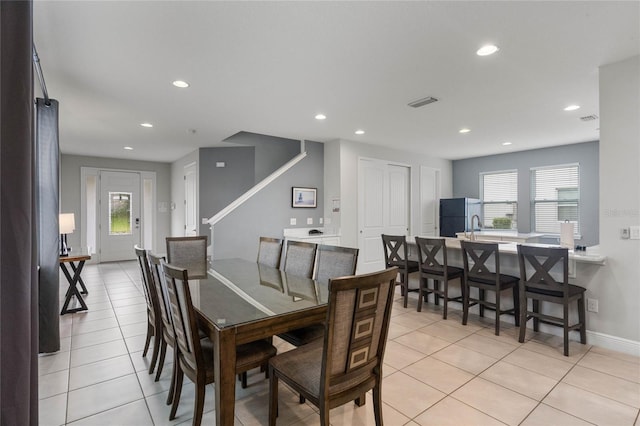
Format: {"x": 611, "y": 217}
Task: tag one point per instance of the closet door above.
{"x": 383, "y": 208}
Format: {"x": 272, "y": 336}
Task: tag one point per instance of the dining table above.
{"x": 242, "y": 301}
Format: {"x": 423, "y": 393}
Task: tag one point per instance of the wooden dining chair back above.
{"x": 190, "y": 360}
{"x": 538, "y": 266}
{"x": 189, "y": 253}
{"x": 432, "y": 258}
{"x": 154, "y": 320}
{"x": 396, "y": 253}
{"x": 348, "y": 362}
{"x": 195, "y": 352}
{"x": 300, "y": 258}
{"x": 482, "y": 270}
{"x": 331, "y": 262}
{"x": 270, "y": 251}
{"x": 168, "y": 335}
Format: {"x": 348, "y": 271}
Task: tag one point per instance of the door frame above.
{"x": 85, "y": 172}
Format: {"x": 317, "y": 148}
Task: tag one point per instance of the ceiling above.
{"x": 270, "y": 67}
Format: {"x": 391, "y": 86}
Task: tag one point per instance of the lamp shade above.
{"x": 67, "y": 223}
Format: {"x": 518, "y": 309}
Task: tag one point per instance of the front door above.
{"x": 119, "y": 215}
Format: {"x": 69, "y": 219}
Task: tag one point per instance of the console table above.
{"x": 76, "y": 263}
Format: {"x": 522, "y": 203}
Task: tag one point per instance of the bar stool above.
{"x": 396, "y": 254}
{"x": 431, "y": 268}
{"x": 537, "y": 284}
{"x": 479, "y": 275}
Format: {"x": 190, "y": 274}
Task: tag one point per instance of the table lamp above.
{"x": 67, "y": 223}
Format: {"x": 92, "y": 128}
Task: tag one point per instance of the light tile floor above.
{"x": 436, "y": 372}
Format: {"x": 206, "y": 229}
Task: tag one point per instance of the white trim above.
{"x": 257, "y": 188}
{"x": 613, "y": 343}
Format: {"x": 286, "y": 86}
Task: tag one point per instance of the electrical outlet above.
{"x": 634, "y": 232}
{"x": 205, "y": 220}
{"x": 292, "y": 221}
{"x": 320, "y": 221}
{"x": 624, "y": 233}
{"x": 592, "y": 305}
{"x": 309, "y": 221}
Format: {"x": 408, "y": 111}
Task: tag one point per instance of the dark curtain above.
{"x": 47, "y": 160}
{"x": 18, "y": 257}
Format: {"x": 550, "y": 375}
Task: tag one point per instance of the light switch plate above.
{"x": 635, "y": 232}
{"x": 205, "y": 220}
{"x": 309, "y": 221}
{"x": 624, "y": 233}
{"x": 292, "y": 221}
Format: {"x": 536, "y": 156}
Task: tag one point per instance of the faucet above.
{"x": 473, "y": 235}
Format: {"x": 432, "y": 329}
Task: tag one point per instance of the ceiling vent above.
{"x": 589, "y": 117}
{"x": 422, "y": 102}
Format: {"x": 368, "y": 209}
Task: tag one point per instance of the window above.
{"x": 120, "y": 213}
{"x": 499, "y": 199}
{"x": 556, "y": 197}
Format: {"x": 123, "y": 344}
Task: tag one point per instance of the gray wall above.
{"x": 70, "y": 190}
{"x": 271, "y": 152}
{"x": 268, "y": 212}
{"x": 219, "y": 186}
{"x": 466, "y": 183}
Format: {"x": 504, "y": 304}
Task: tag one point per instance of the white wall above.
{"x": 350, "y": 152}
{"x": 177, "y": 192}
{"x": 617, "y": 284}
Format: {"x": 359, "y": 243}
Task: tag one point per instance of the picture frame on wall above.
{"x": 303, "y": 197}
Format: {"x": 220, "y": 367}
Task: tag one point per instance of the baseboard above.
{"x": 614, "y": 343}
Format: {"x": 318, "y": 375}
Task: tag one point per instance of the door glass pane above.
{"x": 119, "y": 213}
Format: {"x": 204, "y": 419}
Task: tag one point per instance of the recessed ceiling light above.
{"x": 320, "y": 117}
{"x": 146, "y": 124}
{"x": 487, "y": 50}
{"x": 359, "y": 132}
{"x": 506, "y": 143}
{"x": 181, "y": 84}
{"x": 572, "y": 107}
{"x": 465, "y": 130}
{"x": 128, "y": 148}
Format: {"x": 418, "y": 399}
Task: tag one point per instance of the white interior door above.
{"x": 429, "y": 201}
{"x": 120, "y": 219}
{"x": 383, "y": 208}
{"x": 190, "y": 197}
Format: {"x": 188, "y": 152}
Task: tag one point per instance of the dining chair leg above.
{"x": 157, "y": 337}
{"x": 481, "y": 297}
{"x": 146, "y": 343}
{"x": 516, "y": 305}
{"x": 377, "y": 404}
{"x": 243, "y": 379}
{"x": 163, "y": 352}
{"x": 445, "y": 297}
{"x": 174, "y": 377}
{"x": 176, "y": 392}
{"x": 324, "y": 414}
{"x": 405, "y": 286}
{"x": 198, "y": 405}
{"x": 273, "y": 397}
{"x": 565, "y": 325}
{"x": 465, "y": 305}
{"x": 361, "y": 400}
{"x": 536, "y": 319}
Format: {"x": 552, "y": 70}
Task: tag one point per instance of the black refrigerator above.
{"x": 456, "y": 214}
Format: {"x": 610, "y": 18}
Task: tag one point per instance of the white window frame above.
{"x": 557, "y": 200}
{"x": 505, "y": 200}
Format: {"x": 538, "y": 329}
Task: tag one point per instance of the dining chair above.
{"x": 478, "y": 273}
{"x": 270, "y": 251}
{"x": 331, "y": 262}
{"x": 396, "y": 254}
{"x": 432, "y": 257}
{"x": 538, "y": 265}
{"x": 189, "y": 253}
{"x": 195, "y": 355}
{"x": 300, "y": 258}
{"x": 154, "y": 320}
{"x": 168, "y": 334}
{"x": 348, "y": 361}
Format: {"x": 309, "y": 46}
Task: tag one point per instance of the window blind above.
{"x": 556, "y": 197}
{"x": 500, "y": 199}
